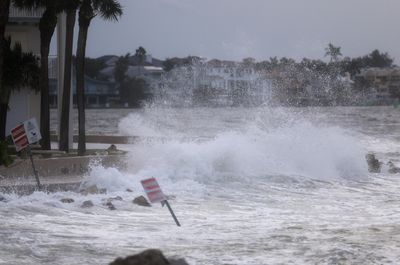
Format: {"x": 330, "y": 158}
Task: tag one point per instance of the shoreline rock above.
{"x": 93, "y": 189}
{"x": 67, "y": 200}
{"x": 87, "y": 204}
{"x": 148, "y": 257}
{"x": 141, "y": 201}
{"x": 374, "y": 165}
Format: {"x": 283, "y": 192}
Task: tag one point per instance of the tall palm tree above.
{"x": 333, "y": 51}
{"x": 4, "y": 13}
{"x": 71, "y": 8}
{"x": 108, "y": 10}
{"x": 47, "y": 25}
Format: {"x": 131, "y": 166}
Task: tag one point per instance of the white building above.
{"x": 23, "y": 28}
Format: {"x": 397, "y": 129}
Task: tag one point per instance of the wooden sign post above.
{"x": 24, "y": 134}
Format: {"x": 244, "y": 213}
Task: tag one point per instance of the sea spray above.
{"x": 269, "y": 143}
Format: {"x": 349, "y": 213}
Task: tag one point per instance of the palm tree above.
{"x": 22, "y": 70}
{"x": 71, "y": 7}
{"x": 4, "y": 13}
{"x": 109, "y": 10}
{"x": 333, "y": 51}
{"x": 141, "y": 55}
{"x": 121, "y": 66}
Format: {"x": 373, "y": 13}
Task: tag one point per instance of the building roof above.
{"x": 375, "y": 71}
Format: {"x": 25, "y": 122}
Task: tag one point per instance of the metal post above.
{"x": 172, "y": 213}
{"x": 33, "y": 167}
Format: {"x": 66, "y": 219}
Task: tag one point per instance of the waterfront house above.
{"x": 98, "y": 93}
{"x": 380, "y": 85}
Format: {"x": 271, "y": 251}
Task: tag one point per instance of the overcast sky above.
{"x": 235, "y": 29}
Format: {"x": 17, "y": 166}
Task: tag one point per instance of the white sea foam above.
{"x": 259, "y": 148}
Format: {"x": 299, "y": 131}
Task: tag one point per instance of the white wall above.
{"x": 24, "y": 104}
{"x": 27, "y": 35}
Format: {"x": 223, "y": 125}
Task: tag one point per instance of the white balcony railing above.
{"x": 22, "y": 14}
{"x": 53, "y": 67}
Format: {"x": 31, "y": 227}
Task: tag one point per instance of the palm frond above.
{"x": 108, "y": 9}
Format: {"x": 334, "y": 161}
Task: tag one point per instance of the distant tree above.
{"x": 352, "y": 66}
{"x": 287, "y": 61}
{"x": 169, "y": 64}
{"x": 378, "y": 59}
{"x": 273, "y": 61}
{"x": 121, "y": 67}
{"x": 317, "y": 66}
{"x": 93, "y": 66}
{"x": 135, "y": 91}
{"x": 374, "y": 59}
{"x": 333, "y": 52}
{"x": 141, "y": 54}
{"x": 249, "y": 61}
{"x": 22, "y": 71}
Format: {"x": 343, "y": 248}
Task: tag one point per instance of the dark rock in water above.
{"x": 112, "y": 147}
{"x": 110, "y": 206}
{"x": 178, "y": 262}
{"x": 2, "y": 199}
{"x": 392, "y": 168}
{"x": 148, "y": 257}
{"x": 67, "y": 200}
{"x": 92, "y": 190}
{"x": 129, "y": 190}
{"x": 374, "y": 166}
{"x": 87, "y": 204}
{"x": 118, "y": 198}
{"x": 142, "y": 201}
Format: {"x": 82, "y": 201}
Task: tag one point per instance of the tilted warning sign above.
{"x": 18, "y": 135}
{"x": 153, "y": 190}
{"x": 155, "y": 194}
{"x": 25, "y": 134}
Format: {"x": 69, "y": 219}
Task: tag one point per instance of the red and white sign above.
{"x": 32, "y": 131}
{"x": 25, "y": 134}
{"x": 153, "y": 190}
{"x": 19, "y": 137}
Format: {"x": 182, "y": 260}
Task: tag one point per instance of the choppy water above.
{"x": 251, "y": 186}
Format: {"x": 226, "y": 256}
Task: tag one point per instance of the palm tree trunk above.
{"x": 64, "y": 121}
{"x": 3, "y": 114}
{"x": 4, "y": 13}
{"x": 85, "y": 17}
{"x": 47, "y": 25}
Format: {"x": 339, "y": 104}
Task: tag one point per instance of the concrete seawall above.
{"x": 105, "y": 139}
{"x": 61, "y": 173}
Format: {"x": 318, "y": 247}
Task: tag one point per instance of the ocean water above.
{"x": 249, "y": 186}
